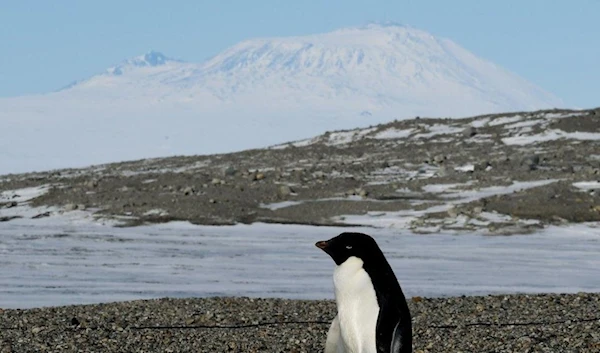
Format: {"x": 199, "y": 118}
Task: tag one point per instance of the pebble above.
{"x": 117, "y": 327}
{"x": 470, "y": 131}
{"x": 230, "y": 171}
{"x": 284, "y": 190}
{"x": 70, "y": 207}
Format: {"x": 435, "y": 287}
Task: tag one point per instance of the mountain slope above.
{"x": 256, "y": 93}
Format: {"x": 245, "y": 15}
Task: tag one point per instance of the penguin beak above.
{"x": 322, "y": 245}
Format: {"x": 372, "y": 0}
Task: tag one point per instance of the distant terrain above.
{"x": 497, "y": 174}
{"x": 256, "y": 93}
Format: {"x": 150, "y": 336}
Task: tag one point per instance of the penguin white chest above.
{"x": 357, "y": 306}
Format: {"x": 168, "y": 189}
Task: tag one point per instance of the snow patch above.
{"x": 505, "y": 120}
{"x": 25, "y": 194}
{"x": 404, "y": 219}
{"x": 587, "y": 185}
{"x": 438, "y": 129}
{"x": 344, "y": 137}
{"x": 550, "y": 135}
{"x": 465, "y": 168}
{"x": 393, "y": 133}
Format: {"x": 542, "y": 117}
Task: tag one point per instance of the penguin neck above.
{"x": 385, "y": 283}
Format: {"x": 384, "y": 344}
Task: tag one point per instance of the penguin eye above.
{"x": 348, "y": 247}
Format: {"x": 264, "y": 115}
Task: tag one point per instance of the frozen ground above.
{"x": 57, "y": 261}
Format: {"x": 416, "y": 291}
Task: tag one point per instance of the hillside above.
{"x": 499, "y": 174}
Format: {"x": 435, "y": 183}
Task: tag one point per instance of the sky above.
{"x": 48, "y": 44}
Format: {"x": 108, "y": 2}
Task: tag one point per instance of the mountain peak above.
{"x": 379, "y": 68}
{"x": 384, "y": 24}
{"x": 150, "y": 59}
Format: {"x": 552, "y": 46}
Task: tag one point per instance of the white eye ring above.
{"x": 348, "y": 247}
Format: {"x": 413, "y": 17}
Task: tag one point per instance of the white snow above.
{"x": 505, "y": 120}
{"x": 438, "y": 129}
{"x": 464, "y": 196}
{"x": 393, "y": 134}
{"x": 450, "y": 192}
{"x": 258, "y": 93}
{"x": 480, "y": 122}
{"x": 437, "y": 188}
{"x": 156, "y": 212}
{"x": 25, "y": 194}
{"x": 550, "y": 135}
{"x": 51, "y": 214}
{"x": 587, "y": 185}
{"x": 343, "y": 137}
{"x": 283, "y": 204}
{"x": 526, "y": 123}
{"x": 465, "y": 168}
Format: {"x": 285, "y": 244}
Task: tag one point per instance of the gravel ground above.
{"x": 536, "y": 323}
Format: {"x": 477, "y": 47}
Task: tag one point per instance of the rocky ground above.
{"x": 516, "y": 323}
{"x": 497, "y": 173}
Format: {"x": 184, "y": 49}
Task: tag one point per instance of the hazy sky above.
{"x": 47, "y": 44}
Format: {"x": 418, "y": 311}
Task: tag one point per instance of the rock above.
{"x": 482, "y": 166}
{"x": 470, "y": 131}
{"x": 92, "y": 183}
{"x": 319, "y": 175}
{"x": 531, "y": 162}
{"x": 452, "y": 212}
{"x": 212, "y": 201}
{"x": 8, "y": 218}
{"x": 188, "y": 190}
{"x": 216, "y": 181}
{"x": 124, "y": 189}
{"x": 439, "y": 158}
{"x": 443, "y": 171}
{"x": 41, "y": 215}
{"x": 230, "y": 171}
{"x": 11, "y": 204}
{"x": 524, "y": 341}
{"x": 284, "y": 190}
{"x": 70, "y": 207}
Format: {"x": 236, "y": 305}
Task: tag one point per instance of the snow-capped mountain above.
{"x": 259, "y": 92}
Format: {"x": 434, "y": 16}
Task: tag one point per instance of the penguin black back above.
{"x": 394, "y": 325}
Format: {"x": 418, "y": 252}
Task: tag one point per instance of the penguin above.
{"x": 373, "y": 316}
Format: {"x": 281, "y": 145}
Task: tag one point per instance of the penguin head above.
{"x": 346, "y": 245}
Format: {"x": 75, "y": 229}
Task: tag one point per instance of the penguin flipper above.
{"x": 334, "y": 342}
{"x": 396, "y": 345}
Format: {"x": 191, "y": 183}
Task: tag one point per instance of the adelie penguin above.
{"x": 373, "y": 316}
